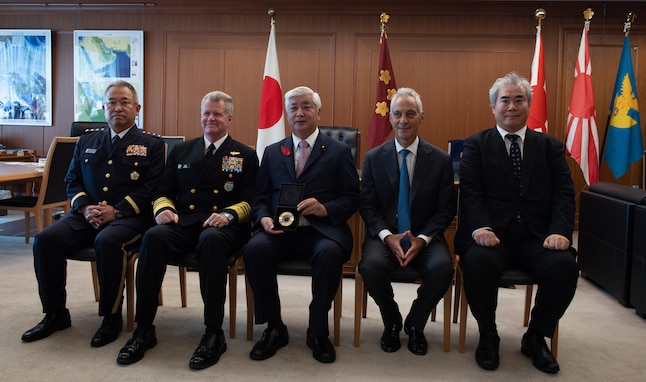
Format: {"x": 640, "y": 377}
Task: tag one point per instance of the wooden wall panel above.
{"x": 452, "y": 75}
{"x": 199, "y": 63}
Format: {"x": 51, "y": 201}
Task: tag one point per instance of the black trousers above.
{"x": 213, "y": 247}
{"x": 326, "y": 257}
{"x": 53, "y": 243}
{"x": 556, "y": 271}
{"x": 433, "y": 263}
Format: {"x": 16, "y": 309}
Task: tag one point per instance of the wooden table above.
{"x": 19, "y": 172}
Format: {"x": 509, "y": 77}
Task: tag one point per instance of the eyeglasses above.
{"x": 122, "y": 104}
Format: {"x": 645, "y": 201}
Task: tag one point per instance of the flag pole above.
{"x": 630, "y": 18}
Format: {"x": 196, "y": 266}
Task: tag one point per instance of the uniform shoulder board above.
{"x": 152, "y": 134}
{"x": 94, "y": 130}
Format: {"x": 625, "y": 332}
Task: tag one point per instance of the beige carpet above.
{"x": 599, "y": 339}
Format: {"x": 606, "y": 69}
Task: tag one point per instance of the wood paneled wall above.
{"x": 450, "y": 52}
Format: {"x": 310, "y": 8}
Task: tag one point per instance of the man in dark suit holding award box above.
{"x": 326, "y": 170}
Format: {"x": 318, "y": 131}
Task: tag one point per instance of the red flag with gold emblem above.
{"x": 380, "y": 126}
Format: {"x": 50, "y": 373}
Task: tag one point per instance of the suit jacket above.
{"x": 194, "y": 187}
{"x": 329, "y": 176}
{"x": 489, "y": 196}
{"x": 432, "y": 198}
{"x": 125, "y": 176}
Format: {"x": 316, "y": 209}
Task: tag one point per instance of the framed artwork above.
{"x": 26, "y": 77}
{"x": 101, "y": 57}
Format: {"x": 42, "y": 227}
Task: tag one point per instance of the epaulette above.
{"x": 94, "y": 130}
{"x": 152, "y": 133}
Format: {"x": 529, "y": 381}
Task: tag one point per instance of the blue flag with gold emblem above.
{"x": 624, "y": 144}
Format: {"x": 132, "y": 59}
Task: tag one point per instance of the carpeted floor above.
{"x": 599, "y": 340}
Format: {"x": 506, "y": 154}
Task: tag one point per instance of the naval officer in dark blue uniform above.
{"x": 203, "y": 205}
{"x": 110, "y": 182}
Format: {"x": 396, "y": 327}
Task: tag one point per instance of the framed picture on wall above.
{"x": 101, "y": 57}
{"x": 26, "y": 77}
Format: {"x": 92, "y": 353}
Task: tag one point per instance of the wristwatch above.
{"x": 117, "y": 214}
{"x": 227, "y": 215}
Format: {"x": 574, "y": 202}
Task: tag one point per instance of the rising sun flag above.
{"x": 624, "y": 145}
{"x": 582, "y": 142}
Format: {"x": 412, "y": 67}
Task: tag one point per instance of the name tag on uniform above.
{"x": 90, "y": 151}
{"x": 183, "y": 166}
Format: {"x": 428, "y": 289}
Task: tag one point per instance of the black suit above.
{"x": 489, "y": 197}
{"x": 124, "y": 177}
{"x": 433, "y": 207}
{"x": 194, "y": 187}
{"x": 329, "y": 176}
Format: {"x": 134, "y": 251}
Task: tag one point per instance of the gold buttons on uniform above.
{"x": 191, "y": 207}
{"x": 192, "y": 191}
{"x": 215, "y": 191}
{"x": 86, "y": 160}
{"x": 110, "y": 161}
{"x": 136, "y": 164}
{"x": 230, "y": 176}
{"x": 215, "y": 208}
{"x": 105, "y": 189}
{"x": 107, "y": 175}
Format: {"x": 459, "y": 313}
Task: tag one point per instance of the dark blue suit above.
{"x": 489, "y": 197}
{"x": 329, "y": 176}
{"x": 194, "y": 188}
{"x": 432, "y": 209}
{"x": 124, "y": 177}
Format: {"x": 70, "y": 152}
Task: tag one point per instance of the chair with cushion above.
{"x": 351, "y": 137}
{"x": 189, "y": 261}
{"x": 78, "y": 128}
{"x": 52, "y": 190}
{"x": 510, "y": 277}
{"x": 406, "y": 275}
{"x": 88, "y": 254}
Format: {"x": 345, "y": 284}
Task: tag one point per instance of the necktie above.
{"x": 403, "y": 203}
{"x": 209, "y": 152}
{"x": 302, "y": 157}
{"x": 517, "y": 165}
{"x": 114, "y": 141}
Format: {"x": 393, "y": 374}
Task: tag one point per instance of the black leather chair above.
{"x": 606, "y": 236}
{"x": 351, "y": 137}
{"x": 79, "y": 127}
{"x": 638, "y": 271}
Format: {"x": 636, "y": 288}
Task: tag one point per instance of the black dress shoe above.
{"x": 142, "y": 339}
{"x": 534, "y": 346}
{"x": 271, "y": 340}
{"x": 51, "y": 323}
{"x": 390, "y": 339}
{"x": 487, "y": 352}
{"x": 322, "y": 349}
{"x": 416, "y": 341}
{"x": 109, "y": 330}
{"x": 209, "y": 350}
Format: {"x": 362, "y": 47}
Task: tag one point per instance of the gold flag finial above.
{"x": 587, "y": 14}
{"x": 630, "y": 18}
{"x": 383, "y": 19}
{"x": 540, "y": 14}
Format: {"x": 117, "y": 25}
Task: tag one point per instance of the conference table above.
{"x": 20, "y": 172}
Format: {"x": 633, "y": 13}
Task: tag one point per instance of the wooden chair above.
{"x": 171, "y": 141}
{"x": 132, "y": 249}
{"x": 236, "y": 265}
{"x": 512, "y": 276}
{"x": 295, "y": 267}
{"x": 53, "y": 191}
{"x": 407, "y": 275}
